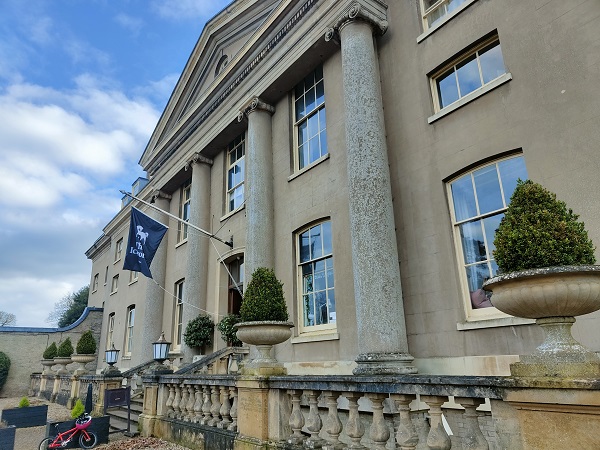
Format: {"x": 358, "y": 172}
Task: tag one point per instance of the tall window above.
{"x": 109, "y": 330}
{"x": 315, "y": 263}
{"x": 133, "y": 276}
{"x": 472, "y": 71}
{"x": 115, "y": 284}
{"x": 106, "y": 276}
{"x": 95, "y": 283}
{"x": 478, "y": 202}
{"x": 184, "y": 211}
{"x": 129, "y": 330}
{"x": 177, "y": 329}
{"x": 235, "y": 285}
{"x": 118, "y": 249}
{"x": 435, "y": 10}
{"x": 236, "y": 152}
{"x": 309, "y": 107}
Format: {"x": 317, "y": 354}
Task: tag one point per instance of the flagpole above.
{"x": 228, "y": 243}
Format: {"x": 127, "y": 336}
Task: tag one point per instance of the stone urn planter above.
{"x": 264, "y": 335}
{"x": 552, "y": 296}
{"x": 63, "y": 361}
{"x": 47, "y": 364}
{"x": 82, "y": 360}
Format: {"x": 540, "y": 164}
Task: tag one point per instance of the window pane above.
{"x": 476, "y": 275}
{"x": 468, "y": 75}
{"x": 310, "y": 100}
{"x": 510, "y": 171}
{"x": 490, "y": 225}
{"x": 436, "y": 14}
{"x": 304, "y": 247}
{"x": 309, "y": 305}
{"x": 315, "y": 149}
{"x": 453, "y": 4}
{"x": 326, "y": 229}
{"x": 331, "y": 304}
{"x": 302, "y": 133}
{"x": 321, "y": 307}
{"x": 313, "y": 126}
{"x": 300, "y": 110}
{"x": 464, "y": 198}
{"x": 316, "y": 249}
{"x": 447, "y": 88}
{"x": 488, "y": 189}
{"x": 320, "y": 93}
{"x": 492, "y": 64}
{"x": 472, "y": 242}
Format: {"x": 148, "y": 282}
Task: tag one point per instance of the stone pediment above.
{"x": 221, "y": 40}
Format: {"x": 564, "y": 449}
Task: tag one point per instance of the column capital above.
{"x": 159, "y": 194}
{"x": 198, "y": 159}
{"x": 254, "y": 104}
{"x": 373, "y": 12}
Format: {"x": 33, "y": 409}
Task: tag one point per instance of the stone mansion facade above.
{"x": 366, "y": 151}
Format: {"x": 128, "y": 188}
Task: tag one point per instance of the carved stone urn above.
{"x": 552, "y": 296}
{"x": 63, "y": 361}
{"x": 47, "y": 363}
{"x": 82, "y": 360}
{"x": 264, "y": 335}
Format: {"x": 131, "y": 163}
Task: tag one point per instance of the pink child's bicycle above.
{"x": 87, "y": 439}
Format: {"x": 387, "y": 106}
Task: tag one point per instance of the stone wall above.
{"x": 24, "y": 346}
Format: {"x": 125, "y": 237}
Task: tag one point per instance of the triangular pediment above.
{"x": 221, "y": 40}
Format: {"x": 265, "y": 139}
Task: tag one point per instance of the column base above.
{"x": 384, "y": 364}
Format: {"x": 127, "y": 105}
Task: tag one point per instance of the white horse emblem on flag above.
{"x": 140, "y": 234}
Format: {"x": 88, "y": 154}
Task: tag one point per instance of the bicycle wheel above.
{"x": 45, "y": 444}
{"x": 88, "y": 443}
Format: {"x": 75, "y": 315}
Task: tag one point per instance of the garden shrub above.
{"x": 78, "y": 409}
{"x": 65, "y": 349}
{"x": 86, "y": 344}
{"x": 4, "y": 368}
{"x": 264, "y": 299}
{"x": 199, "y": 331}
{"x": 228, "y": 331}
{"x": 51, "y": 351}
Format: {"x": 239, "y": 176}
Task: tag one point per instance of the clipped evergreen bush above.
{"x": 24, "y": 403}
{"x": 263, "y": 299}
{"x": 227, "y": 330}
{"x": 4, "y": 367}
{"x": 538, "y": 230}
{"x": 199, "y": 331}
{"x": 86, "y": 345}
{"x": 50, "y": 352}
{"x": 65, "y": 349}
{"x": 78, "y": 409}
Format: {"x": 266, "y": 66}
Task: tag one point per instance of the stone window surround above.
{"x": 114, "y": 287}
{"x": 448, "y": 17}
{"x": 129, "y": 332}
{"x": 178, "y": 327}
{"x": 118, "y": 250}
{"x": 182, "y": 230}
{"x": 232, "y": 147}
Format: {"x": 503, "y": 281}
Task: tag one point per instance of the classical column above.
{"x": 195, "y": 286}
{"x": 382, "y": 341}
{"x": 152, "y": 323}
{"x": 259, "y": 187}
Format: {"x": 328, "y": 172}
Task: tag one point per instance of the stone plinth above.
{"x": 253, "y": 408}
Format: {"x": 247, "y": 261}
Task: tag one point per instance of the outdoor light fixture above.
{"x": 160, "y": 348}
{"x": 112, "y": 355}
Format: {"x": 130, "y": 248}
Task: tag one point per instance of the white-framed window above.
{"x": 178, "y": 316}
{"x": 473, "y": 70}
{"x": 133, "y": 276}
{"x": 316, "y": 280}
{"x": 478, "y": 200}
{"x": 236, "y": 285}
{"x": 106, "y": 276}
{"x": 129, "y": 330}
{"x": 185, "y": 202}
{"x": 434, "y": 11}
{"x": 118, "y": 250}
{"x": 110, "y": 327}
{"x": 309, "y": 119}
{"x": 115, "y": 284}
{"x": 236, "y": 153}
{"x": 95, "y": 283}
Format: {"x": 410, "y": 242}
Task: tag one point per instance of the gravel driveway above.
{"x": 30, "y": 438}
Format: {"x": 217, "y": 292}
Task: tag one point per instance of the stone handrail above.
{"x": 224, "y": 361}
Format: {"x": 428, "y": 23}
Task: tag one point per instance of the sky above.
{"x": 82, "y": 86}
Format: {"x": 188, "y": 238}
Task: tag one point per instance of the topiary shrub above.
{"x": 65, "y": 349}
{"x": 86, "y": 344}
{"x": 227, "y": 330}
{"x": 78, "y": 409}
{"x": 264, "y": 299}
{"x": 50, "y": 352}
{"x": 538, "y": 230}
{"x": 24, "y": 403}
{"x": 199, "y": 331}
{"x": 4, "y": 367}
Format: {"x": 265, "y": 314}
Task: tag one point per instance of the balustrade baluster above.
{"x": 406, "y": 436}
{"x": 313, "y": 422}
{"x": 216, "y": 406}
{"x": 234, "y": 409}
{"x": 197, "y": 404}
{"x": 189, "y": 416}
{"x": 473, "y": 438}
{"x": 296, "y": 418}
{"x": 379, "y": 432}
{"x": 206, "y": 406}
{"x": 437, "y": 439}
{"x": 225, "y": 408}
{"x": 169, "y": 404}
{"x": 354, "y": 428}
{"x": 183, "y": 403}
{"x": 333, "y": 424}
{"x": 176, "y": 402}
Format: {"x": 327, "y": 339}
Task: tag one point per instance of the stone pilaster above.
{"x": 382, "y": 345}
{"x": 259, "y": 187}
{"x": 196, "y": 278}
{"x": 151, "y": 323}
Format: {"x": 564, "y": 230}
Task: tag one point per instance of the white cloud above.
{"x": 188, "y": 9}
{"x": 133, "y": 24}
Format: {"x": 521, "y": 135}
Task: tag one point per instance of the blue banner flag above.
{"x": 145, "y": 235}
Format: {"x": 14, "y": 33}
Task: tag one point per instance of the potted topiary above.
{"x": 228, "y": 331}
{"x": 48, "y": 358}
{"x": 199, "y": 332}
{"x": 264, "y": 322}
{"x": 85, "y": 352}
{"x": 63, "y": 356}
{"x": 545, "y": 260}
